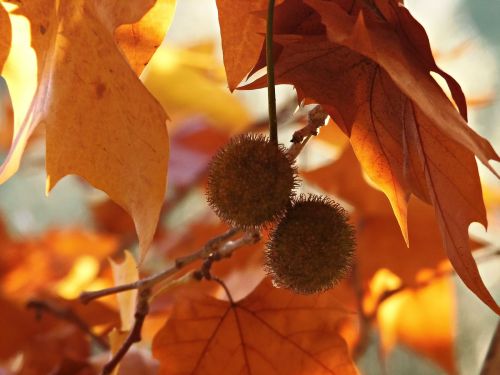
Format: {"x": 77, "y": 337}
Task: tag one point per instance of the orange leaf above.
{"x": 272, "y": 331}
{"x": 15, "y": 335}
{"x": 424, "y": 320}
{"x": 380, "y": 250}
{"x": 114, "y": 135}
{"x": 64, "y": 260}
{"x": 242, "y": 32}
{"x": 378, "y": 243}
{"x": 45, "y": 342}
{"x": 394, "y": 50}
{"x": 139, "y": 40}
{"x": 242, "y": 272}
{"x": 5, "y": 37}
{"x": 407, "y": 135}
{"x": 453, "y": 184}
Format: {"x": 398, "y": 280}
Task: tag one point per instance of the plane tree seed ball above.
{"x": 250, "y": 181}
{"x": 311, "y": 249}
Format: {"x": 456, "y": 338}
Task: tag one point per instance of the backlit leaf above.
{"x": 113, "y": 132}
{"x": 408, "y": 136}
{"x": 272, "y": 331}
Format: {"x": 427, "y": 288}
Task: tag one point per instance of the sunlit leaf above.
{"x": 272, "y": 331}
{"x": 114, "y": 135}
{"x": 190, "y": 83}
{"x": 126, "y": 272}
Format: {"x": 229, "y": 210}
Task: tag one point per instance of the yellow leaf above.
{"x": 124, "y": 273}
{"x": 140, "y": 40}
{"x": 190, "y": 82}
{"x": 423, "y": 319}
{"x": 101, "y": 122}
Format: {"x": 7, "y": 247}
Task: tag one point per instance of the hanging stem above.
{"x": 271, "y": 94}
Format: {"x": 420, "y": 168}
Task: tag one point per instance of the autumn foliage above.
{"x": 127, "y": 114}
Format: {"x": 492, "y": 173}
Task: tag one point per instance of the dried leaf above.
{"x": 376, "y": 227}
{"x": 241, "y": 41}
{"x": 384, "y": 263}
{"x": 272, "y": 331}
{"x": 139, "y": 40}
{"x": 408, "y": 136}
{"x": 16, "y": 335}
{"x": 123, "y": 273}
{"x": 394, "y": 50}
{"x": 114, "y": 135}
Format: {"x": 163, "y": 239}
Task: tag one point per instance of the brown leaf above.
{"x": 406, "y": 316}
{"x": 453, "y": 185}
{"x": 45, "y": 353}
{"x": 110, "y": 218}
{"x": 343, "y": 82}
{"x": 272, "y": 331}
{"x": 240, "y": 39}
{"x": 114, "y": 135}
{"x": 394, "y": 50}
{"x": 379, "y": 244}
{"x": 365, "y": 74}
{"x": 192, "y": 146}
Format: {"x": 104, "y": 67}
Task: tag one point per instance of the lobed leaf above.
{"x": 101, "y": 122}
{"x": 371, "y": 71}
{"x": 271, "y": 331}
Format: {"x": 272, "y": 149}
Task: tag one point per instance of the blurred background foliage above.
{"x": 58, "y": 245}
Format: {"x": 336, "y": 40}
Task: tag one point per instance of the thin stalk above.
{"x": 271, "y": 94}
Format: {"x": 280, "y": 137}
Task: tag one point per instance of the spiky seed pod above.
{"x": 312, "y": 247}
{"x": 250, "y": 181}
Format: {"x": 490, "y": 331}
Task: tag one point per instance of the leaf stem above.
{"x": 271, "y": 93}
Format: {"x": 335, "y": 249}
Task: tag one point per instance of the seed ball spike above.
{"x": 250, "y": 181}
{"x": 312, "y": 247}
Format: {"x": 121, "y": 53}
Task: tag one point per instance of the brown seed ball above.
{"x": 312, "y": 247}
{"x": 250, "y": 181}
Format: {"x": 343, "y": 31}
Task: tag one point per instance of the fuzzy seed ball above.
{"x": 312, "y": 247}
{"x": 250, "y": 181}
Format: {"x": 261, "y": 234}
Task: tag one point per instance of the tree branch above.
{"x": 315, "y": 119}
{"x": 216, "y": 249}
{"x": 141, "y": 311}
{"x": 67, "y": 315}
{"x": 148, "y": 282}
